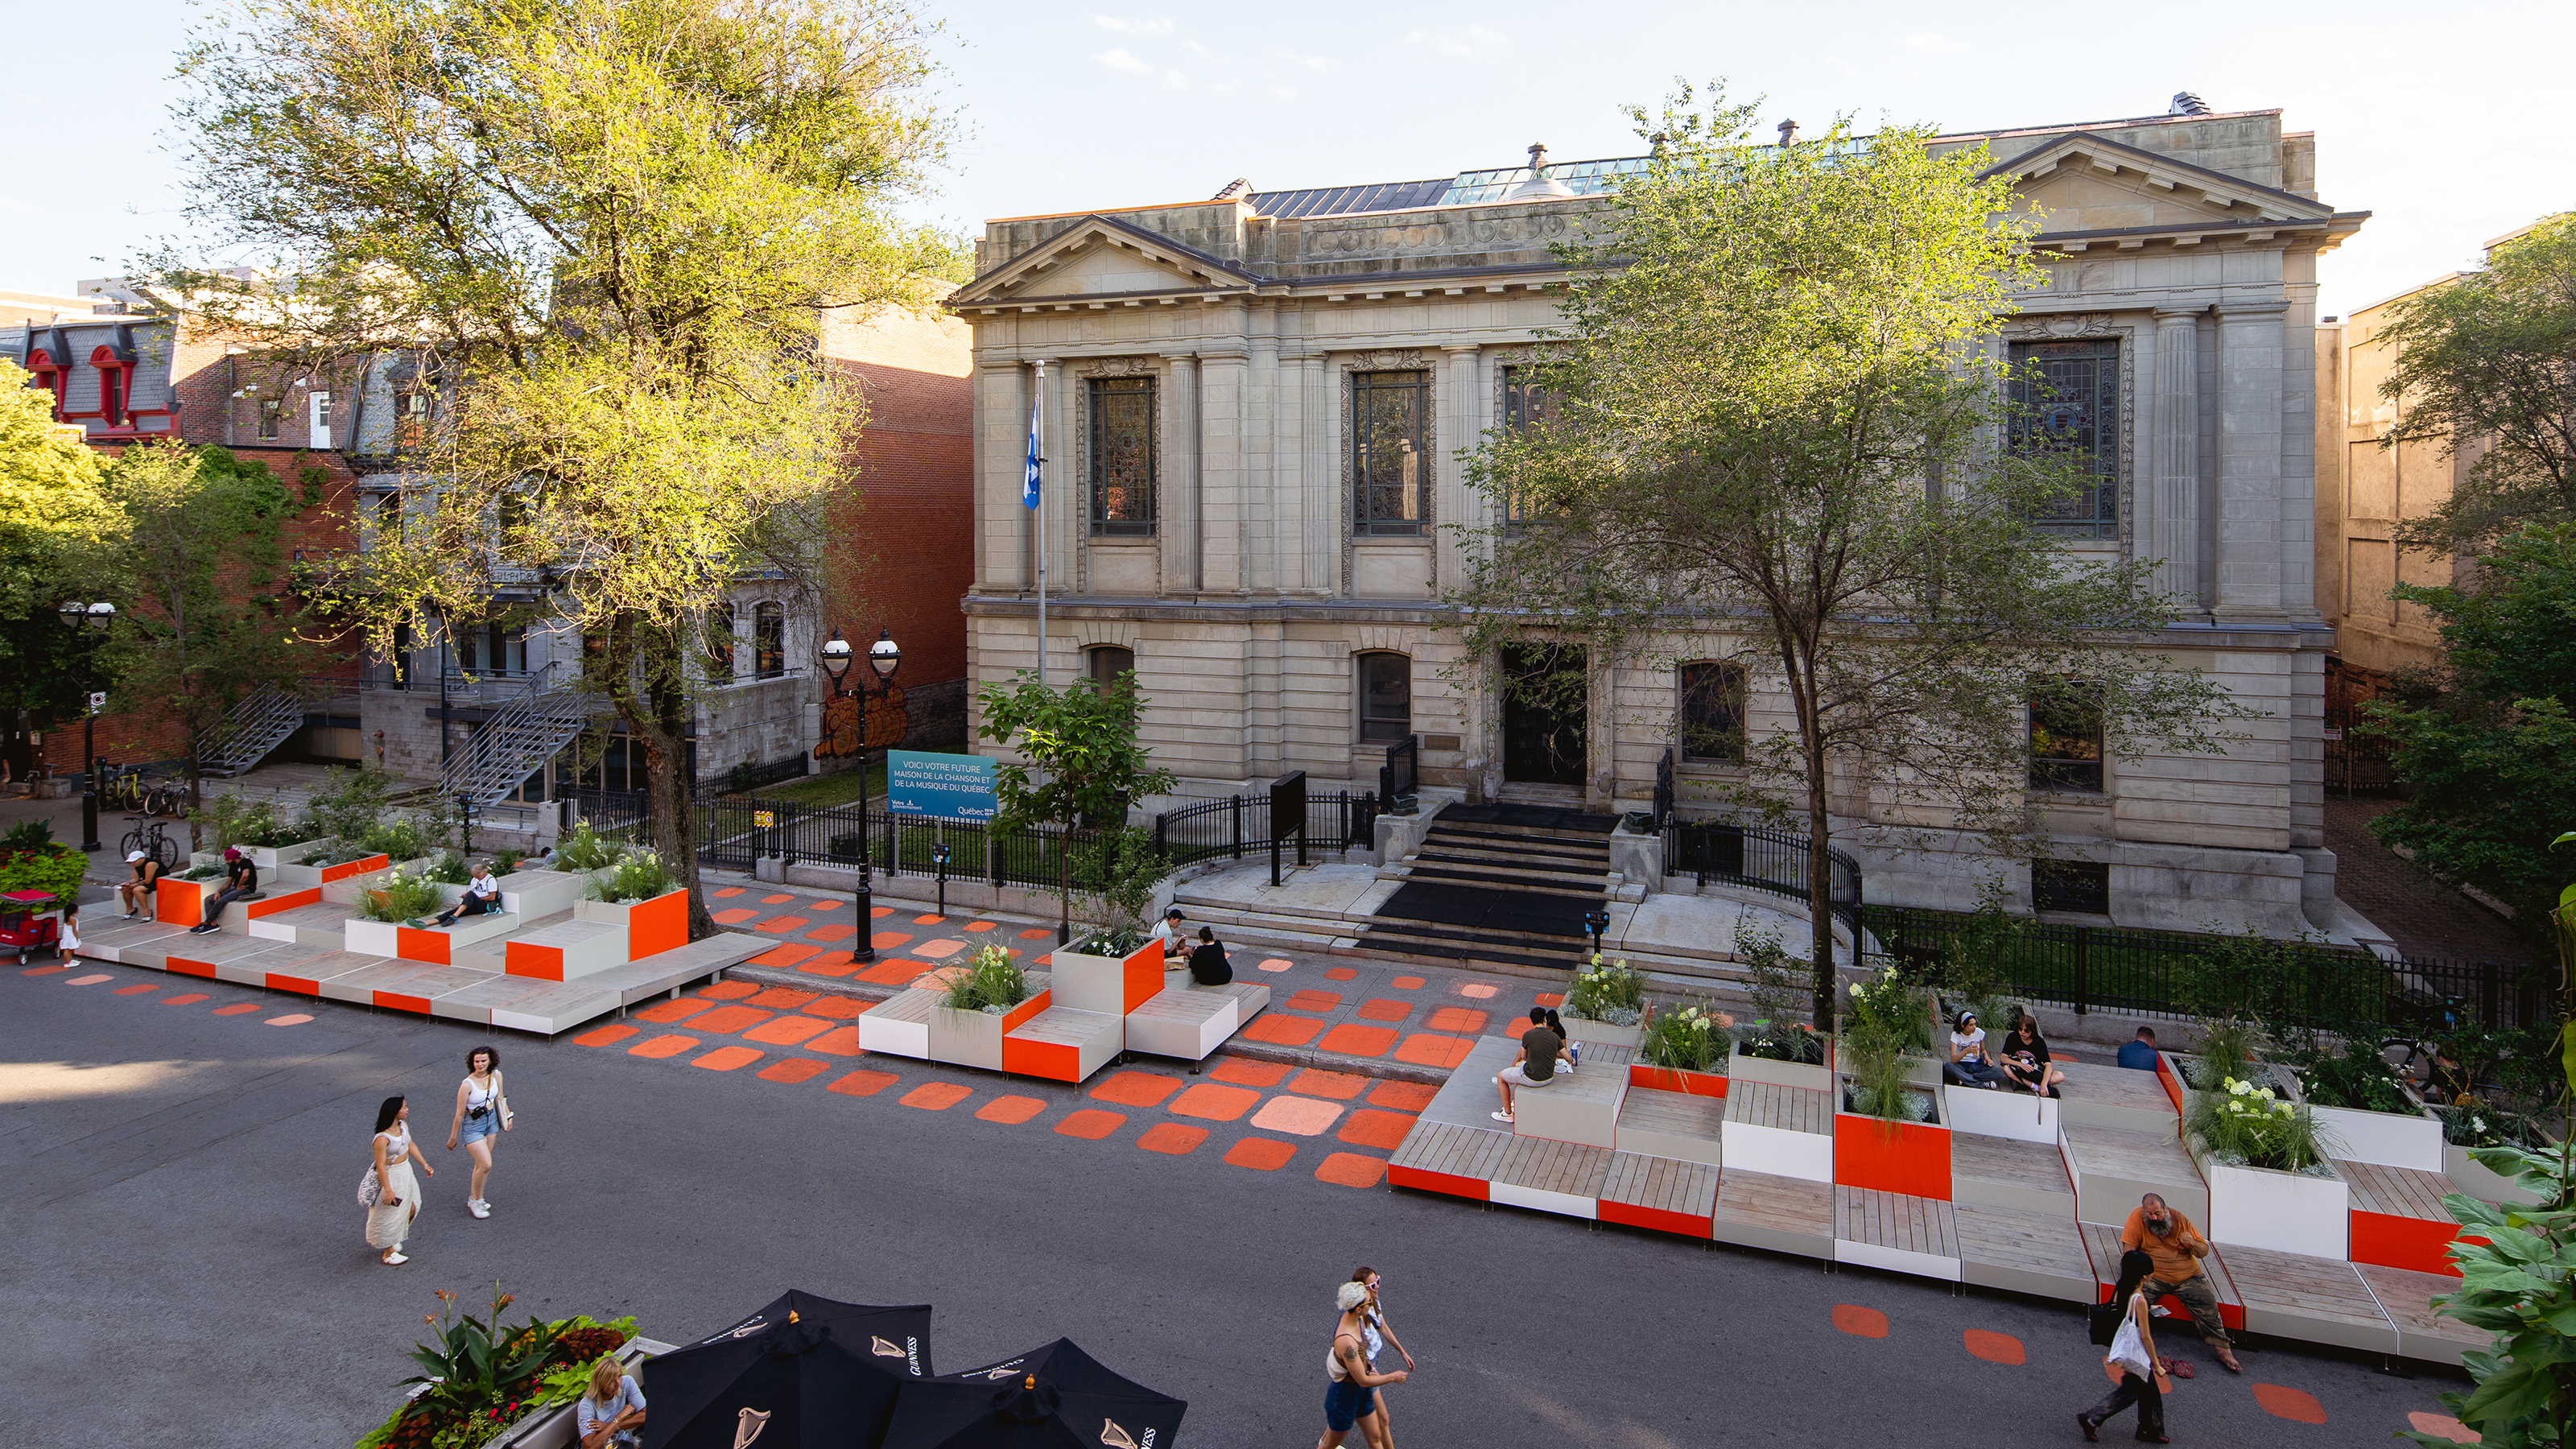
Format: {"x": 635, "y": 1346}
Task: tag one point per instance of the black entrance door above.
{"x": 1543, "y": 710}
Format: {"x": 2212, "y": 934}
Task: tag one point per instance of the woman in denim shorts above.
{"x": 1351, "y": 1394}
{"x": 482, "y": 1113}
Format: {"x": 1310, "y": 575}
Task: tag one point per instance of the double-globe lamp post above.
{"x": 88, "y": 624}
{"x": 884, "y": 658}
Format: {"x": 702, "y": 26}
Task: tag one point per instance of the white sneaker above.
{"x": 1502, "y": 1116}
{"x": 478, "y": 1207}
{"x": 393, "y": 1260}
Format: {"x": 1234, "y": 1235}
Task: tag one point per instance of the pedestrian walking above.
{"x": 68, "y": 946}
{"x": 1350, "y": 1394}
{"x": 482, "y": 1114}
{"x": 1373, "y": 1327}
{"x": 2133, "y": 1359}
{"x": 396, "y": 1199}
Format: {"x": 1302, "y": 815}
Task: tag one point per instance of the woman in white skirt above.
{"x": 397, "y": 1191}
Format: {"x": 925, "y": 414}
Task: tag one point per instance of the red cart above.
{"x": 29, "y": 922}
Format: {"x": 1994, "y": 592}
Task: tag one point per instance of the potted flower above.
{"x": 1775, "y": 1046}
{"x": 633, "y": 888}
{"x": 1606, "y": 1003}
{"x": 1685, "y": 1051}
{"x": 2264, "y": 1157}
{"x": 2372, "y": 1116}
{"x": 1113, "y": 971}
{"x": 986, "y": 1002}
{"x": 2482, "y": 1126}
{"x": 486, "y": 1384}
{"x": 1888, "y": 1133}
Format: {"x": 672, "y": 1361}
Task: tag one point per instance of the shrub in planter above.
{"x": 400, "y": 898}
{"x": 2244, "y": 1125}
{"x": 201, "y": 872}
{"x": 637, "y": 875}
{"x": 234, "y": 821}
{"x": 584, "y": 849}
{"x": 481, "y": 1376}
{"x": 992, "y": 983}
{"x": 506, "y": 861}
{"x": 1693, "y": 1039}
{"x": 448, "y": 869}
{"x": 51, "y": 868}
{"x": 402, "y": 838}
{"x": 1114, "y": 944}
{"x": 348, "y": 805}
{"x": 1611, "y": 992}
{"x": 28, "y": 835}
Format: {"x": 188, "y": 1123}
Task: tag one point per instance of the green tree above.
{"x": 1081, "y": 764}
{"x": 615, "y": 229}
{"x": 205, "y": 615}
{"x": 2486, "y": 738}
{"x": 1776, "y": 421}
{"x": 53, "y": 519}
{"x": 2488, "y": 362}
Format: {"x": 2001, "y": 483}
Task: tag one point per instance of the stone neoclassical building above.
{"x": 1254, "y": 405}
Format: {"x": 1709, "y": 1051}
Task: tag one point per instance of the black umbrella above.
{"x": 1052, "y": 1398}
{"x": 802, "y": 1373}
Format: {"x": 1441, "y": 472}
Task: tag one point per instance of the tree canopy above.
{"x": 53, "y": 521}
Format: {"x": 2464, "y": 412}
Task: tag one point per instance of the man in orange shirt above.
{"x": 2177, "y": 1248}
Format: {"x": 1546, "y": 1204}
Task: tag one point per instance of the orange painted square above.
{"x": 781, "y": 925}
{"x": 787, "y": 1030}
{"x": 1261, "y": 1154}
{"x": 888, "y": 940}
{"x": 1340, "y": 1086}
{"x": 894, "y": 971}
{"x": 784, "y": 955}
{"x": 979, "y": 925}
{"x": 1340, "y": 973}
{"x": 1248, "y": 1074}
{"x": 239, "y": 1007}
{"x": 138, "y": 990}
{"x": 1406, "y": 983}
{"x": 1379, "y": 1008}
{"x": 1215, "y": 1103}
{"x": 1350, "y": 1169}
{"x": 665, "y": 1012}
{"x": 1281, "y": 1029}
{"x": 1354, "y": 1040}
{"x": 1278, "y": 963}
{"x": 725, "y": 1020}
{"x": 930, "y": 920}
{"x": 774, "y": 900}
{"x": 864, "y": 1083}
{"x": 1551, "y": 998}
{"x": 662, "y": 1046}
{"x": 1035, "y": 935}
{"x": 877, "y": 911}
{"x": 1172, "y": 1138}
{"x": 839, "y": 963}
{"x": 1090, "y": 1124}
{"x": 736, "y": 916}
{"x": 837, "y": 1008}
{"x": 1479, "y": 991}
{"x": 725, "y": 1059}
{"x": 1429, "y": 1049}
{"x": 939, "y": 950}
{"x": 1367, "y": 1128}
{"x": 1456, "y": 1018}
{"x": 1136, "y": 1089}
{"x": 825, "y": 905}
{"x": 1402, "y": 1096}
{"x": 782, "y": 998}
{"x": 728, "y": 991}
{"x": 794, "y": 1069}
{"x": 730, "y": 891}
{"x": 937, "y": 1096}
{"x": 1314, "y": 1001}
{"x": 605, "y": 1036}
{"x": 1011, "y": 1109}
{"x": 831, "y": 933}
{"x": 1296, "y": 1116}
{"x": 194, "y": 997}
{"x": 843, "y": 1042}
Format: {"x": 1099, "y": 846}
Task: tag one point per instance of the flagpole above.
{"x": 1037, "y": 420}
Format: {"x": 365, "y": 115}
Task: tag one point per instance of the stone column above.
{"x": 1461, "y": 423}
{"x": 1176, "y": 506}
{"x": 1320, "y": 478}
{"x": 2176, "y": 497}
{"x": 1221, "y": 498}
{"x": 1261, "y": 514}
{"x": 2249, "y": 461}
{"x": 1003, "y": 544}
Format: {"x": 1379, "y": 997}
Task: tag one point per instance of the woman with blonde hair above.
{"x": 1378, "y": 1426}
{"x": 609, "y": 1412}
{"x": 397, "y": 1200}
{"x": 1350, "y": 1389}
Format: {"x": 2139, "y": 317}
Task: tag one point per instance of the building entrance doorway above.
{"x": 1545, "y": 700}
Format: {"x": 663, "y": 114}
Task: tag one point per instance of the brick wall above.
{"x": 902, "y": 552}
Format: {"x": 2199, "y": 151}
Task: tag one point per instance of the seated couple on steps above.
{"x": 1535, "y": 1066}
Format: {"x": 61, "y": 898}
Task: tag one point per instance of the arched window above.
{"x": 1105, "y": 664}
{"x": 1386, "y": 698}
{"x": 1712, "y": 713}
{"x": 769, "y": 641}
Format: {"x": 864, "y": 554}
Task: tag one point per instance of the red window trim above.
{"x": 50, "y": 375}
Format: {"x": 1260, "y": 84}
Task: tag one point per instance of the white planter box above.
{"x": 266, "y": 857}
{"x": 2474, "y": 1178}
{"x": 2287, "y": 1212}
{"x": 1746, "y": 1147}
{"x": 1584, "y": 1029}
{"x": 2017, "y": 1115}
{"x": 2388, "y": 1139}
{"x": 1812, "y": 1076}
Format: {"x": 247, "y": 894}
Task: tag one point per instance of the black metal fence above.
{"x": 2158, "y": 973}
{"x": 1236, "y": 825}
{"x": 1400, "y": 778}
{"x": 1765, "y": 860}
{"x": 1664, "y": 788}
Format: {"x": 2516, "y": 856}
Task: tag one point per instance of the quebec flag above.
{"x": 1029, "y": 481}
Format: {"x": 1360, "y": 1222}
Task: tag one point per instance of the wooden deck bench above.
{"x": 2035, "y": 1252}
{"x": 1781, "y": 1214}
{"x": 2112, "y": 1169}
{"x": 1655, "y": 1123}
{"x": 1895, "y": 1231}
{"x": 1575, "y": 1106}
{"x": 1780, "y": 1131}
{"x": 2010, "y": 1174}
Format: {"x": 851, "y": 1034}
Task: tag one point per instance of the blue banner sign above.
{"x": 949, "y": 787}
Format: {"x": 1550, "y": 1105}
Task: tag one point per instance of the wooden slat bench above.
{"x": 1665, "y": 1193}
{"x": 2407, "y": 1299}
{"x": 1782, "y": 1214}
{"x": 2097, "y": 1094}
{"x": 1449, "y": 1157}
{"x": 900, "y": 1027}
{"x": 2040, "y": 1253}
{"x": 2102, "y": 1245}
{"x": 2010, "y": 1174}
{"x": 1672, "y": 1124}
{"x": 2398, "y": 1220}
{"x": 2321, "y": 1300}
{"x": 2112, "y": 1169}
{"x": 1551, "y": 1176}
{"x": 1782, "y": 1131}
{"x": 1895, "y": 1231}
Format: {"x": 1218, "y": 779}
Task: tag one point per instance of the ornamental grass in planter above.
{"x": 992, "y": 983}
{"x": 634, "y": 875}
{"x": 1685, "y": 1050}
{"x": 479, "y": 1376}
{"x": 400, "y": 896}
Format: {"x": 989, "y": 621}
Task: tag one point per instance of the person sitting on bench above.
{"x": 241, "y": 881}
{"x": 1208, "y": 966}
{"x": 1175, "y": 938}
{"x": 482, "y": 897}
{"x": 1969, "y": 1065}
{"x": 1536, "y": 1066}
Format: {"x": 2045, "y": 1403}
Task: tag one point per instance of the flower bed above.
{"x": 482, "y": 1379}
{"x": 1817, "y": 1075}
{"x": 1605, "y": 1004}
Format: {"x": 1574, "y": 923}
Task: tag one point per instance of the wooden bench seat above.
{"x": 2398, "y": 1220}
{"x": 1189, "y": 1021}
{"x": 1780, "y": 1131}
{"x": 2407, "y": 1300}
{"x": 1664, "y": 1193}
{"x": 2010, "y": 1174}
{"x": 1782, "y": 1214}
{"x": 2097, "y": 1094}
{"x": 1895, "y": 1231}
{"x": 1449, "y": 1157}
{"x": 1062, "y": 1044}
{"x": 1551, "y": 1176}
{"x": 1575, "y": 1106}
{"x": 2112, "y": 1169}
{"x": 2320, "y": 1300}
{"x": 1654, "y": 1123}
{"x": 2040, "y": 1253}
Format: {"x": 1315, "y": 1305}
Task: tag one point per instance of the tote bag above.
{"x": 2128, "y": 1352}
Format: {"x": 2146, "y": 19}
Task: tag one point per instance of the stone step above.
{"x": 1543, "y": 862}
{"x": 1552, "y": 846}
{"x": 1501, "y": 880}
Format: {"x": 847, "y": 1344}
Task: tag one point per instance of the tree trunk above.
{"x": 1820, "y": 891}
{"x": 655, "y": 709}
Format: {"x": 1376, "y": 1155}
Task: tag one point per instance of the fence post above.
{"x": 2083, "y": 969}
{"x": 894, "y": 845}
{"x": 993, "y": 871}
{"x": 1238, "y": 826}
{"x": 1160, "y": 853}
{"x": 787, "y": 830}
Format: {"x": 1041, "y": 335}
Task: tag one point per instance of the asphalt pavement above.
{"x": 184, "y": 1262}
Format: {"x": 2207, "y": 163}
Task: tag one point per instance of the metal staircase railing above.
{"x": 516, "y": 741}
{"x": 255, "y": 727}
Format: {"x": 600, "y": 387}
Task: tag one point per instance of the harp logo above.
{"x": 1118, "y": 1438}
{"x": 748, "y": 1426}
{"x": 999, "y": 1372}
{"x": 756, "y": 1324}
{"x": 910, "y": 1353}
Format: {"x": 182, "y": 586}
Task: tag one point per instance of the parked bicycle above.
{"x": 153, "y": 840}
{"x": 169, "y": 797}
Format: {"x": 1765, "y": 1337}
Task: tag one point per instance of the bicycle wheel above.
{"x": 132, "y": 841}
{"x": 164, "y": 850}
{"x": 150, "y": 802}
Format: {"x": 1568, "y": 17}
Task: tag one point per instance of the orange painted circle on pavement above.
{"x": 1282, "y": 1029}
{"x": 604, "y": 1036}
{"x": 1241, "y": 1073}
{"x": 825, "y": 905}
{"x": 1172, "y": 1138}
{"x": 1993, "y": 1347}
{"x": 787, "y": 955}
{"x": 138, "y": 990}
{"x": 839, "y": 1042}
{"x": 1013, "y": 1110}
{"x": 1311, "y": 1000}
{"x": 1379, "y": 1008}
{"x": 1297, "y": 1116}
{"x": 1551, "y": 998}
{"x": 1135, "y": 1089}
{"x": 2295, "y": 1405}
{"x": 794, "y": 1069}
{"x": 930, "y": 920}
{"x": 1402, "y": 1096}
{"x": 1430, "y": 1049}
{"x": 1091, "y": 1124}
{"x": 728, "y": 991}
{"x": 294, "y": 1019}
{"x": 1261, "y": 1154}
{"x": 727, "y": 1058}
{"x": 663, "y": 1013}
{"x": 787, "y": 1030}
{"x": 864, "y": 1084}
{"x": 1369, "y": 1127}
{"x": 662, "y": 1046}
{"x": 1351, "y": 1039}
{"x": 782, "y": 998}
{"x": 1215, "y": 1103}
{"x": 1340, "y": 1086}
{"x": 1035, "y": 935}
{"x": 726, "y": 1020}
{"x": 877, "y": 911}
{"x": 1339, "y": 973}
{"x": 888, "y": 940}
{"x": 43, "y": 970}
{"x": 736, "y": 916}
{"x": 1406, "y": 983}
{"x": 839, "y": 963}
{"x": 774, "y": 900}
{"x": 894, "y": 971}
{"x": 1478, "y": 991}
{"x": 730, "y": 891}
{"x": 979, "y": 925}
{"x": 836, "y": 1008}
{"x": 237, "y": 1008}
{"x": 1351, "y": 1169}
{"x": 781, "y": 925}
{"x": 90, "y": 980}
{"x": 191, "y": 999}
{"x": 1277, "y": 963}
{"x": 1860, "y": 1322}
{"x": 937, "y": 1096}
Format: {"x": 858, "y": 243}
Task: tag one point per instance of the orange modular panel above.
{"x": 186, "y": 967}
{"x": 2166, "y": 1074}
{"x": 658, "y": 925}
{"x": 429, "y": 947}
{"x": 396, "y": 1001}
{"x": 309, "y": 896}
{"x": 1143, "y": 972}
{"x": 2394, "y": 1242}
{"x": 1053, "y": 1061}
{"x": 1689, "y": 1225}
{"x": 540, "y": 963}
{"x": 1670, "y": 1079}
{"x": 360, "y": 866}
{"x": 1455, "y": 1186}
{"x": 178, "y": 902}
{"x": 300, "y": 985}
{"x": 1019, "y": 1015}
{"x": 1912, "y": 1158}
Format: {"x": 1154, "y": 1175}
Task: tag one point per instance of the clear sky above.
{"x": 2452, "y": 123}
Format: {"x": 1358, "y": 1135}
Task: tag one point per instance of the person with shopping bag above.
{"x": 2132, "y": 1358}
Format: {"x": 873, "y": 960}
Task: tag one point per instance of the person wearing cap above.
{"x": 241, "y": 881}
{"x": 135, "y": 895}
{"x": 1175, "y": 939}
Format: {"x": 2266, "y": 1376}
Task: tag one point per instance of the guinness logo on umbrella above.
{"x": 748, "y": 1427}
{"x": 883, "y": 1349}
{"x": 1115, "y": 1437}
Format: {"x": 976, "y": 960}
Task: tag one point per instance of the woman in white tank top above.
{"x": 482, "y": 1115}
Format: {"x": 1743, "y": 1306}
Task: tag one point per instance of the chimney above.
{"x": 1236, "y": 190}
{"x": 2187, "y": 104}
{"x": 1788, "y": 133}
{"x": 1540, "y": 186}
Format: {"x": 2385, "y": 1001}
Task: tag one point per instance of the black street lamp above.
{"x": 1596, "y": 922}
{"x": 88, "y": 624}
{"x": 836, "y": 663}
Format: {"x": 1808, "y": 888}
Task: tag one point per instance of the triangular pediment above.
{"x": 1101, "y": 256}
{"x": 2087, "y": 183}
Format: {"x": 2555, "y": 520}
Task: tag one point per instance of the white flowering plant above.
{"x": 1612, "y": 992}
{"x": 2256, "y": 1126}
{"x": 1692, "y": 1039}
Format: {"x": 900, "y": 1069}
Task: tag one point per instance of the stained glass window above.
{"x": 1122, "y": 456}
{"x": 1388, "y": 450}
{"x": 2066, "y": 398}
